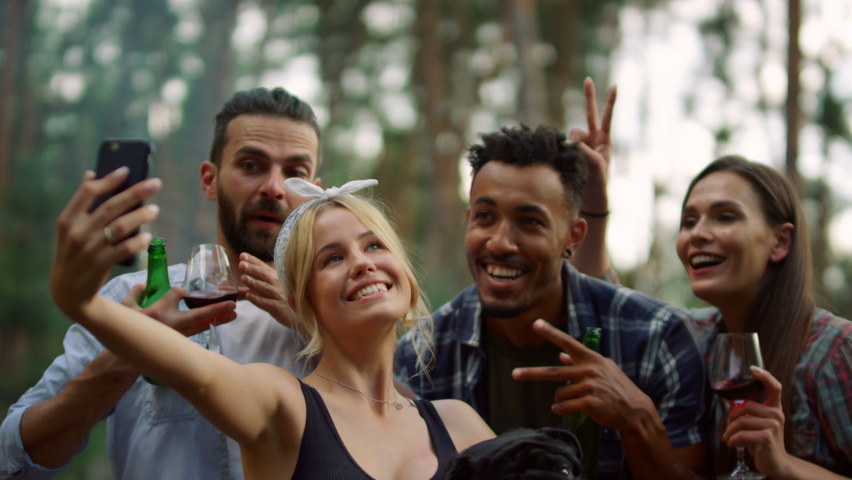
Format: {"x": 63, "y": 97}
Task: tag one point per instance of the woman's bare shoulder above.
{"x": 466, "y": 427}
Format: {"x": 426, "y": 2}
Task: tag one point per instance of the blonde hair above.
{"x": 298, "y": 261}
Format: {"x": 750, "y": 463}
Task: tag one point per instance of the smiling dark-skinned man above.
{"x": 527, "y": 217}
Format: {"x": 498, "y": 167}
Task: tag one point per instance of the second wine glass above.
{"x": 209, "y": 279}
{"x": 734, "y": 354}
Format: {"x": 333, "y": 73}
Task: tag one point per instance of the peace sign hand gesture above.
{"x": 598, "y": 387}
{"x": 596, "y": 145}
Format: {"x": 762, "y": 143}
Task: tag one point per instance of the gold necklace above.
{"x": 397, "y": 403}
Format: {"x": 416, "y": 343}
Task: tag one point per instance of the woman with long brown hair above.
{"x": 744, "y": 244}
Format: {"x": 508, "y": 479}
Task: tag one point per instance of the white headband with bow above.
{"x": 314, "y": 193}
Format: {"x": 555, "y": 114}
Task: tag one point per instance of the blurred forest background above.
{"x": 401, "y": 87}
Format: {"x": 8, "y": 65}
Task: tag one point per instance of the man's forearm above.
{"x": 53, "y": 430}
{"x": 651, "y": 455}
{"x": 591, "y": 258}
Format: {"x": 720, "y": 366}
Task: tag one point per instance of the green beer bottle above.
{"x": 588, "y": 432}
{"x": 158, "y": 273}
{"x": 158, "y": 280}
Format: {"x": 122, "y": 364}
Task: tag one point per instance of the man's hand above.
{"x": 265, "y": 290}
{"x": 603, "y": 392}
{"x": 596, "y": 145}
{"x": 599, "y": 388}
{"x": 187, "y": 322}
{"x": 84, "y": 251}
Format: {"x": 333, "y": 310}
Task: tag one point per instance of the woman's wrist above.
{"x": 83, "y": 311}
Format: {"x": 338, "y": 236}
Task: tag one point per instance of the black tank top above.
{"x": 323, "y": 455}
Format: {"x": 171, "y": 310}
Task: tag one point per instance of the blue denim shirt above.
{"x": 152, "y": 432}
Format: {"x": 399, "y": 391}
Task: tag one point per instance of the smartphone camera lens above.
{"x": 114, "y": 146}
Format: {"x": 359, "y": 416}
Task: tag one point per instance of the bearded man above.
{"x": 261, "y": 138}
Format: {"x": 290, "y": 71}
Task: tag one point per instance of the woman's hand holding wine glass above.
{"x": 760, "y": 427}
{"x": 733, "y": 380}
{"x": 209, "y": 279}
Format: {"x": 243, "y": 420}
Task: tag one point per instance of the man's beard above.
{"x": 503, "y": 311}
{"x": 261, "y": 242}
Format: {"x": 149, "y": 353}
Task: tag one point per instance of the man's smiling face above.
{"x": 517, "y": 229}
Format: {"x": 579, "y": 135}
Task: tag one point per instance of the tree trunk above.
{"x": 445, "y": 234}
{"x": 792, "y": 106}
{"x": 14, "y": 20}
{"x": 562, "y": 75}
{"x": 532, "y": 98}
{"x": 206, "y": 95}
{"x": 341, "y": 39}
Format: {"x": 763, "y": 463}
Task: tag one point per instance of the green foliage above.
{"x": 718, "y": 33}
{"x": 832, "y": 118}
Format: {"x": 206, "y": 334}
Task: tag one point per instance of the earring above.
{"x": 569, "y": 253}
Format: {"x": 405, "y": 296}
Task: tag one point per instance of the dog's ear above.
{"x": 459, "y": 468}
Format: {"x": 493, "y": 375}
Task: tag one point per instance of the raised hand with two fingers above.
{"x": 592, "y": 257}
{"x": 596, "y": 144}
{"x": 598, "y": 387}
{"x": 609, "y": 397}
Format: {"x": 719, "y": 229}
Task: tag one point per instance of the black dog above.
{"x": 547, "y": 453}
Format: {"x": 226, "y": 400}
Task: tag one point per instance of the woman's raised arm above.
{"x": 230, "y": 395}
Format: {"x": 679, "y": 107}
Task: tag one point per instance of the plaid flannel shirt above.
{"x": 822, "y": 389}
{"x": 649, "y": 340}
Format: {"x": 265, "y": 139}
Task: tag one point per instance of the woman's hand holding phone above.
{"x": 84, "y": 254}
{"x": 113, "y": 154}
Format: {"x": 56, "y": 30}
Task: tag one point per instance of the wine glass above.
{"x": 732, "y": 380}
{"x": 209, "y": 279}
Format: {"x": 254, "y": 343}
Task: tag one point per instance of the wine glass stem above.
{"x": 213, "y": 343}
{"x": 741, "y": 466}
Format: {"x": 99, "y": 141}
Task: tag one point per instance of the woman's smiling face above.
{"x": 725, "y": 242}
{"x": 354, "y": 276}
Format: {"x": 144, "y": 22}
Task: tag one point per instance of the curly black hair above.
{"x": 523, "y": 147}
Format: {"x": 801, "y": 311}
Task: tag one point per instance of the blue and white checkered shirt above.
{"x": 152, "y": 432}
{"x": 649, "y": 340}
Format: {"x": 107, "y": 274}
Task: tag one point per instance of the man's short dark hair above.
{"x": 277, "y": 102}
{"x": 524, "y": 147}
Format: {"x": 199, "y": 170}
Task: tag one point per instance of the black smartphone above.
{"x": 116, "y": 153}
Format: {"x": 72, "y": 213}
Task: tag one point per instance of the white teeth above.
{"x": 369, "y": 290}
{"x": 705, "y": 260}
{"x": 502, "y": 272}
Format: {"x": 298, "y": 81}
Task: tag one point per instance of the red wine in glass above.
{"x": 202, "y": 299}
{"x": 732, "y": 379}
{"x": 209, "y": 279}
{"x": 738, "y": 390}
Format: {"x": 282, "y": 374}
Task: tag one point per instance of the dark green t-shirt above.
{"x": 513, "y": 403}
